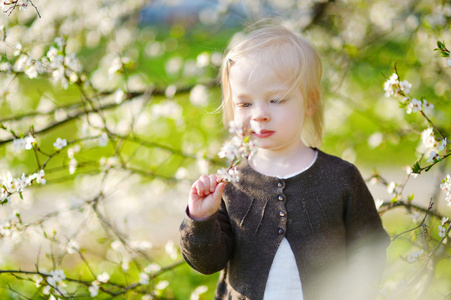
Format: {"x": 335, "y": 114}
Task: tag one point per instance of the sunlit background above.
{"x": 131, "y": 86}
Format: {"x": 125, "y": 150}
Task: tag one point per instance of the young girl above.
{"x": 299, "y": 223}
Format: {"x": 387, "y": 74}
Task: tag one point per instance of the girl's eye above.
{"x": 243, "y": 104}
{"x": 277, "y": 101}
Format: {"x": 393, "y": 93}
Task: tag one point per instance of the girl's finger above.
{"x": 212, "y": 183}
{"x": 200, "y": 188}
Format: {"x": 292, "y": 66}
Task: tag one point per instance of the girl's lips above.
{"x": 264, "y": 133}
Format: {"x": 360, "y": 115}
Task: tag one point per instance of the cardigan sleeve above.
{"x": 207, "y": 245}
{"x": 366, "y": 239}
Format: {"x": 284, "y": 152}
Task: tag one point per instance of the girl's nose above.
{"x": 260, "y": 114}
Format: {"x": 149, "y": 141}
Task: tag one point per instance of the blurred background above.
{"x": 132, "y": 87}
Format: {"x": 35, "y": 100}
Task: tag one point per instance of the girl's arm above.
{"x": 205, "y": 236}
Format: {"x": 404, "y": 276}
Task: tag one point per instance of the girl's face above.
{"x": 260, "y": 95}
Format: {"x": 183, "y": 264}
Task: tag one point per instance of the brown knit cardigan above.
{"x": 327, "y": 215}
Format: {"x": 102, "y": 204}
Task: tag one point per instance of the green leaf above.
{"x": 394, "y": 199}
{"x": 410, "y": 197}
{"x": 416, "y": 168}
{"x": 20, "y": 195}
{"x": 440, "y": 45}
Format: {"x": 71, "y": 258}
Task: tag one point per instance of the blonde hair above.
{"x": 291, "y": 55}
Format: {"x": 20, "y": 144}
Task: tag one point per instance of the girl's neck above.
{"x": 272, "y": 163}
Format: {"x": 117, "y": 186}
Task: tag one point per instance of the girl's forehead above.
{"x": 248, "y": 69}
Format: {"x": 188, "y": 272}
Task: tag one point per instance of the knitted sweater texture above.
{"x": 327, "y": 215}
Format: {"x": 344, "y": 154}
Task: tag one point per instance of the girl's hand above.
{"x": 205, "y": 197}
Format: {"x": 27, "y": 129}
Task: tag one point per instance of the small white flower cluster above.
{"x": 442, "y": 228}
{"x": 232, "y": 149}
{"x": 168, "y": 109}
{"x": 446, "y": 187}
{"x": 31, "y": 67}
{"x": 61, "y": 67}
{"x": 12, "y": 228}
{"x": 60, "y": 143}
{"x": 94, "y": 288}
{"x": 416, "y": 105}
{"x": 71, "y": 155}
{"x": 71, "y": 247}
{"x": 394, "y": 87}
{"x": 171, "y": 250}
{"x": 229, "y": 175}
{"x": 118, "y": 63}
{"x": 55, "y": 283}
{"x": 416, "y": 217}
{"x": 25, "y": 143}
{"x": 195, "y": 295}
{"x": 430, "y": 142}
{"x": 412, "y": 257}
{"x": 10, "y": 185}
{"x": 238, "y": 147}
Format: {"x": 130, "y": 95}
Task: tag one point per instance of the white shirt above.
{"x": 283, "y": 279}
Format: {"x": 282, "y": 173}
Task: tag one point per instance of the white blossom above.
{"x": 18, "y": 144}
{"x": 46, "y": 290}
{"x": 198, "y": 291}
{"x": 443, "y": 144}
{"x": 18, "y": 49}
{"x": 144, "y": 278}
{"x": 103, "y": 139}
{"x": 433, "y": 156}
{"x": 427, "y": 107}
{"x": 236, "y": 127}
{"x": 152, "y": 268}
{"x": 203, "y": 60}
{"x": 441, "y": 231}
{"x": 199, "y": 95}
{"x": 60, "y": 143}
{"x": 162, "y": 285}
{"x": 391, "y": 187}
{"x": 390, "y": 84}
{"x": 414, "y": 106}
{"x": 52, "y": 53}
{"x": 93, "y": 289}
{"x": 256, "y": 126}
{"x": 57, "y": 275}
{"x": 229, "y": 175}
{"x": 444, "y": 220}
{"x": 171, "y": 249}
{"x": 405, "y": 86}
{"x": 72, "y": 166}
{"x": 428, "y": 138}
{"x": 72, "y": 151}
{"x": 412, "y": 257}
{"x": 231, "y": 149}
{"x": 104, "y": 277}
{"x": 23, "y": 5}
{"x": 72, "y": 247}
{"x": 40, "y": 177}
{"x": 416, "y": 217}
{"x": 446, "y": 187}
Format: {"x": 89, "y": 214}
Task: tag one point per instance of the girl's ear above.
{"x": 311, "y": 103}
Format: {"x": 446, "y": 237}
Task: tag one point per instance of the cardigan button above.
{"x": 281, "y": 231}
{"x": 280, "y": 198}
{"x": 280, "y": 184}
{"x": 281, "y": 213}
